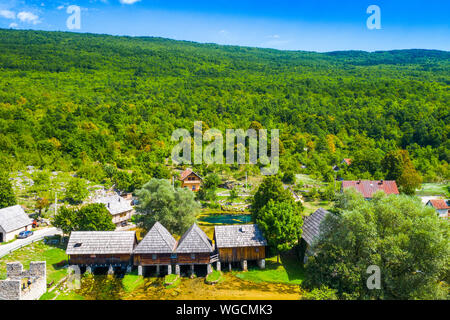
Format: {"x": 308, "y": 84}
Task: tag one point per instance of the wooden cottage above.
{"x": 240, "y": 243}
{"x": 101, "y": 248}
{"x": 191, "y": 180}
{"x": 194, "y": 247}
{"x": 156, "y": 249}
{"x": 311, "y": 230}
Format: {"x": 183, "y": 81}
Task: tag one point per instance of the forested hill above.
{"x": 68, "y": 100}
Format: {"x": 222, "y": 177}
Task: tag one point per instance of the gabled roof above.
{"x": 368, "y": 187}
{"x": 13, "y": 218}
{"x": 187, "y": 172}
{"x": 115, "y": 204}
{"x": 101, "y": 242}
{"x": 311, "y": 225}
{"x": 246, "y": 235}
{"x": 194, "y": 241}
{"x": 157, "y": 240}
{"x": 348, "y": 161}
{"x": 439, "y": 204}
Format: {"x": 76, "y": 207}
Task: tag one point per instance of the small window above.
{"x": 77, "y": 245}
{"x": 192, "y": 256}
{"x": 173, "y": 256}
{"x": 154, "y": 256}
{"x": 256, "y": 249}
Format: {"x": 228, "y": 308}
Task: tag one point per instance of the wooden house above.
{"x": 240, "y": 243}
{"x": 195, "y": 248}
{"x": 368, "y": 187}
{"x": 101, "y": 248}
{"x": 156, "y": 249}
{"x": 13, "y": 220}
{"x": 311, "y": 230}
{"x": 191, "y": 180}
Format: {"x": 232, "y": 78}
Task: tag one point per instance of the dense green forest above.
{"x": 72, "y": 101}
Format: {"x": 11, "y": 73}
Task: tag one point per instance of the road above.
{"x": 17, "y": 244}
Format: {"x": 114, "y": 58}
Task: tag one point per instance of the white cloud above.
{"x": 13, "y": 25}
{"x": 129, "y": 1}
{"x": 7, "y": 14}
{"x": 275, "y": 36}
{"x": 28, "y": 17}
{"x": 60, "y": 7}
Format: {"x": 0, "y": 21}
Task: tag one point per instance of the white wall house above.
{"x": 441, "y": 206}
{"x": 120, "y": 208}
{"x": 13, "y": 220}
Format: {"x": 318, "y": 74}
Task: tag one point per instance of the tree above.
{"x": 7, "y": 197}
{"x": 322, "y": 293}
{"x": 405, "y": 239}
{"x": 270, "y": 189}
{"x": 92, "y": 217}
{"x": 281, "y": 224}
{"x": 76, "y": 190}
{"x": 211, "y": 181}
{"x": 289, "y": 177}
{"x": 399, "y": 167}
{"x": 42, "y": 203}
{"x": 175, "y": 208}
{"x": 233, "y": 194}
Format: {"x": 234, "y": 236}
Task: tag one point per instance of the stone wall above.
{"x": 11, "y": 288}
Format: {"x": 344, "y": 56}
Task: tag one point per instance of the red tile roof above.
{"x": 347, "y": 161}
{"x": 439, "y": 204}
{"x": 368, "y": 187}
{"x": 186, "y": 173}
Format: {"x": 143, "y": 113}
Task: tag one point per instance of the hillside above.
{"x": 69, "y": 100}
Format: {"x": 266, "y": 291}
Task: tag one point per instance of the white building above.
{"x": 13, "y": 220}
{"x": 441, "y": 206}
{"x": 120, "y": 208}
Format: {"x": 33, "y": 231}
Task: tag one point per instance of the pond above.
{"x": 226, "y": 218}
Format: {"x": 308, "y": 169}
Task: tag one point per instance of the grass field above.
{"x": 54, "y": 255}
{"x": 434, "y": 189}
{"x": 288, "y": 271}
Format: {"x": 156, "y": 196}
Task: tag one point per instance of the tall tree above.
{"x": 76, "y": 190}
{"x": 175, "y": 208}
{"x": 270, "y": 189}
{"x": 281, "y": 224}
{"x": 398, "y": 166}
{"x": 7, "y": 197}
{"x": 405, "y": 239}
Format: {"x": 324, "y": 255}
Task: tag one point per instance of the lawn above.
{"x": 434, "y": 189}
{"x": 214, "y": 276}
{"x": 131, "y": 281}
{"x": 54, "y": 255}
{"x": 311, "y": 206}
{"x": 288, "y": 271}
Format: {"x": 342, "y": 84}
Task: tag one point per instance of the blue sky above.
{"x": 313, "y": 25}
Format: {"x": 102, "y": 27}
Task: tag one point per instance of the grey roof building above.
{"x": 248, "y": 235}
{"x": 311, "y": 225}
{"x": 13, "y": 218}
{"x": 157, "y": 240}
{"x": 101, "y": 242}
{"x": 194, "y": 241}
{"x": 115, "y": 204}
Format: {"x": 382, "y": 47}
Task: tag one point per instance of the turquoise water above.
{"x": 227, "y": 218}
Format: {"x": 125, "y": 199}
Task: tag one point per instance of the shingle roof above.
{"x": 13, "y": 218}
{"x": 311, "y": 225}
{"x": 194, "y": 241}
{"x": 439, "y": 204}
{"x": 348, "y": 161}
{"x": 368, "y": 187}
{"x": 101, "y": 242}
{"x": 157, "y": 240}
{"x": 233, "y": 236}
{"x": 115, "y": 204}
{"x": 186, "y": 173}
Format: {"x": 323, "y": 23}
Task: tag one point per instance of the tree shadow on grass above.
{"x": 293, "y": 266}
